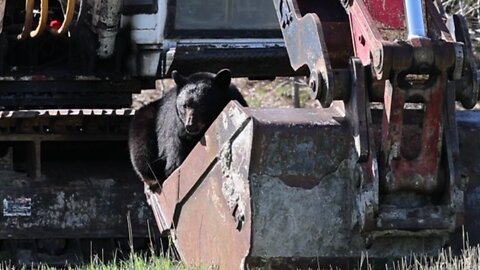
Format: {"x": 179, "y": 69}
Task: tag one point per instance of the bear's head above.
{"x": 200, "y": 98}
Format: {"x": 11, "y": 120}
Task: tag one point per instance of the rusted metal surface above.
{"x": 66, "y": 174}
{"x": 367, "y": 39}
{"x": 312, "y": 176}
{"x": 222, "y": 196}
{"x": 413, "y": 159}
{"x": 318, "y": 36}
{"x": 261, "y": 173}
{"x": 409, "y": 155}
{"x": 416, "y": 183}
{"x": 405, "y": 168}
{"x": 97, "y": 210}
{"x": 469, "y": 146}
{"x": 417, "y": 150}
{"x": 467, "y": 87}
{"x": 319, "y": 41}
{"x": 195, "y": 207}
{"x": 361, "y": 125}
{"x": 106, "y": 20}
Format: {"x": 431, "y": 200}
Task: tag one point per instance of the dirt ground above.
{"x": 277, "y": 93}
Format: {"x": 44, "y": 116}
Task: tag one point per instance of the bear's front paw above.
{"x": 152, "y": 184}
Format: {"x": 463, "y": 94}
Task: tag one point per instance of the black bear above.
{"x": 164, "y": 132}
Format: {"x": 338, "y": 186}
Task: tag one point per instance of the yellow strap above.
{"x": 42, "y": 24}
{"x": 68, "y": 17}
{"x": 27, "y": 26}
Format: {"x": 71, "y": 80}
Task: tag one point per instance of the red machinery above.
{"x": 418, "y": 78}
{"x": 68, "y": 69}
{"x": 297, "y": 188}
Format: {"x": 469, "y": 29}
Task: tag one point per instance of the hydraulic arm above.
{"x": 300, "y": 188}
{"x": 402, "y": 58}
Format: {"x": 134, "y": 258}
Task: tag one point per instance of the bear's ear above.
{"x": 223, "y": 78}
{"x": 179, "y": 79}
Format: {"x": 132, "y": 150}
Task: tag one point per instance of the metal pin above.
{"x": 415, "y": 18}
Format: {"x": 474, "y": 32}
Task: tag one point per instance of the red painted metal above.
{"x": 387, "y": 14}
{"x": 375, "y": 28}
{"x": 263, "y": 173}
{"x": 218, "y": 205}
{"x": 409, "y": 155}
{"x": 365, "y": 38}
{"x": 420, "y": 172}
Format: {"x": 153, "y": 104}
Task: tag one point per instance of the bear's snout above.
{"x": 193, "y": 127}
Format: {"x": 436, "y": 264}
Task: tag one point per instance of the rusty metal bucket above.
{"x": 277, "y": 188}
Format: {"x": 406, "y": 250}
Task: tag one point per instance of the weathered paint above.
{"x": 279, "y": 187}
{"x": 469, "y": 166}
{"x": 68, "y": 175}
{"x": 106, "y": 19}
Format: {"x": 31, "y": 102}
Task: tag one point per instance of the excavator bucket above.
{"x": 279, "y": 188}
{"x": 394, "y": 171}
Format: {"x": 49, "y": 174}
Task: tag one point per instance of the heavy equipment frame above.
{"x": 68, "y": 70}
{"x": 265, "y": 187}
{"x": 392, "y": 175}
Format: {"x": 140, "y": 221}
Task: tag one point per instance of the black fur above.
{"x": 164, "y": 132}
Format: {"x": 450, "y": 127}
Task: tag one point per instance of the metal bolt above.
{"x": 312, "y": 84}
{"x": 361, "y": 39}
{"x": 377, "y": 59}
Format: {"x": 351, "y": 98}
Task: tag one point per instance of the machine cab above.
{"x": 194, "y": 35}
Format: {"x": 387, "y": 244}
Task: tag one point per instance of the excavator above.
{"x": 68, "y": 73}
{"x": 394, "y": 172}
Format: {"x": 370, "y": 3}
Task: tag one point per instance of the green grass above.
{"x": 134, "y": 262}
{"x": 254, "y": 102}
{"x": 468, "y": 260}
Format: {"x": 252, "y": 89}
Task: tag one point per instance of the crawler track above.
{"x": 45, "y": 92}
{"x": 68, "y": 188}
